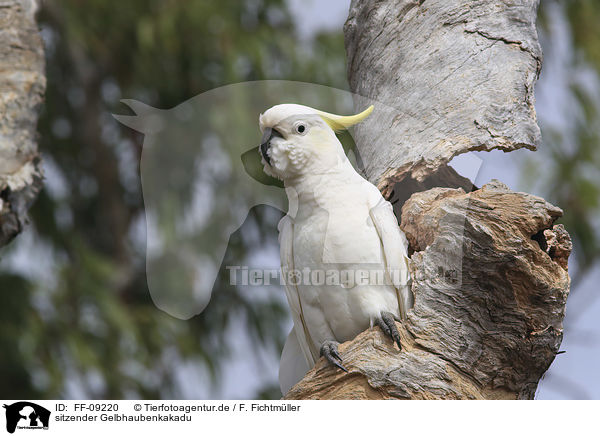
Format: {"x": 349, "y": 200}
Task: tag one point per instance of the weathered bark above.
{"x": 451, "y": 76}
{"x": 490, "y": 284}
{"x": 22, "y": 86}
{"x": 488, "y": 267}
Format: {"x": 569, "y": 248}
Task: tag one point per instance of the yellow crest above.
{"x": 341, "y": 122}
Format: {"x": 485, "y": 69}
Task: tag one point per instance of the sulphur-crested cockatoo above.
{"x": 343, "y": 256}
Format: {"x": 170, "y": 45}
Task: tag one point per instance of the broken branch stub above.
{"x": 451, "y": 76}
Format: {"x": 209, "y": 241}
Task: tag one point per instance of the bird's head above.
{"x": 299, "y": 140}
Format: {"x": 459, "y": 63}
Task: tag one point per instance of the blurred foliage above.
{"x": 583, "y": 17}
{"x": 93, "y": 330}
{"x": 566, "y": 168}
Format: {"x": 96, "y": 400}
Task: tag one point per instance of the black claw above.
{"x": 340, "y": 366}
{"x": 335, "y": 354}
{"x": 330, "y": 352}
{"x": 387, "y": 323}
{"x": 383, "y": 325}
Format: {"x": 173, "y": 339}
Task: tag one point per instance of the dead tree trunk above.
{"x": 22, "y": 86}
{"x": 489, "y": 267}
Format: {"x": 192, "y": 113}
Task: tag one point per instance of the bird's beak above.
{"x": 265, "y": 142}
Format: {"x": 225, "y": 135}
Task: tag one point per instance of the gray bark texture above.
{"x": 489, "y": 265}
{"x": 450, "y": 76}
{"x": 22, "y": 86}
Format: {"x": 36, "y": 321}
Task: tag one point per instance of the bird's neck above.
{"x": 306, "y": 183}
{"x": 312, "y": 189}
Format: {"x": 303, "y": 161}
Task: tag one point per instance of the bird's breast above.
{"x": 336, "y": 236}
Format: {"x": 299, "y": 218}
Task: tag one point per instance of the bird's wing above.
{"x": 293, "y": 365}
{"x": 286, "y": 237}
{"x": 395, "y": 250}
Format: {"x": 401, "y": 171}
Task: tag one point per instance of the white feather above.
{"x": 286, "y": 234}
{"x": 395, "y": 249}
{"x": 292, "y": 366}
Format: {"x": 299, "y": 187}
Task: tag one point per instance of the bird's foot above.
{"x": 386, "y": 321}
{"x": 329, "y": 350}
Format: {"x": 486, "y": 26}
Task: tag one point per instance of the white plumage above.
{"x": 338, "y": 226}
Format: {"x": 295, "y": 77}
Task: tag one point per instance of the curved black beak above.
{"x": 265, "y": 142}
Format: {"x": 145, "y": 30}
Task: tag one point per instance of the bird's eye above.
{"x": 300, "y": 128}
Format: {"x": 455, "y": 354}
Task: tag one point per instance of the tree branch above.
{"x": 22, "y": 86}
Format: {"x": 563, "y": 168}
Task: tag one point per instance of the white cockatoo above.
{"x": 338, "y": 224}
